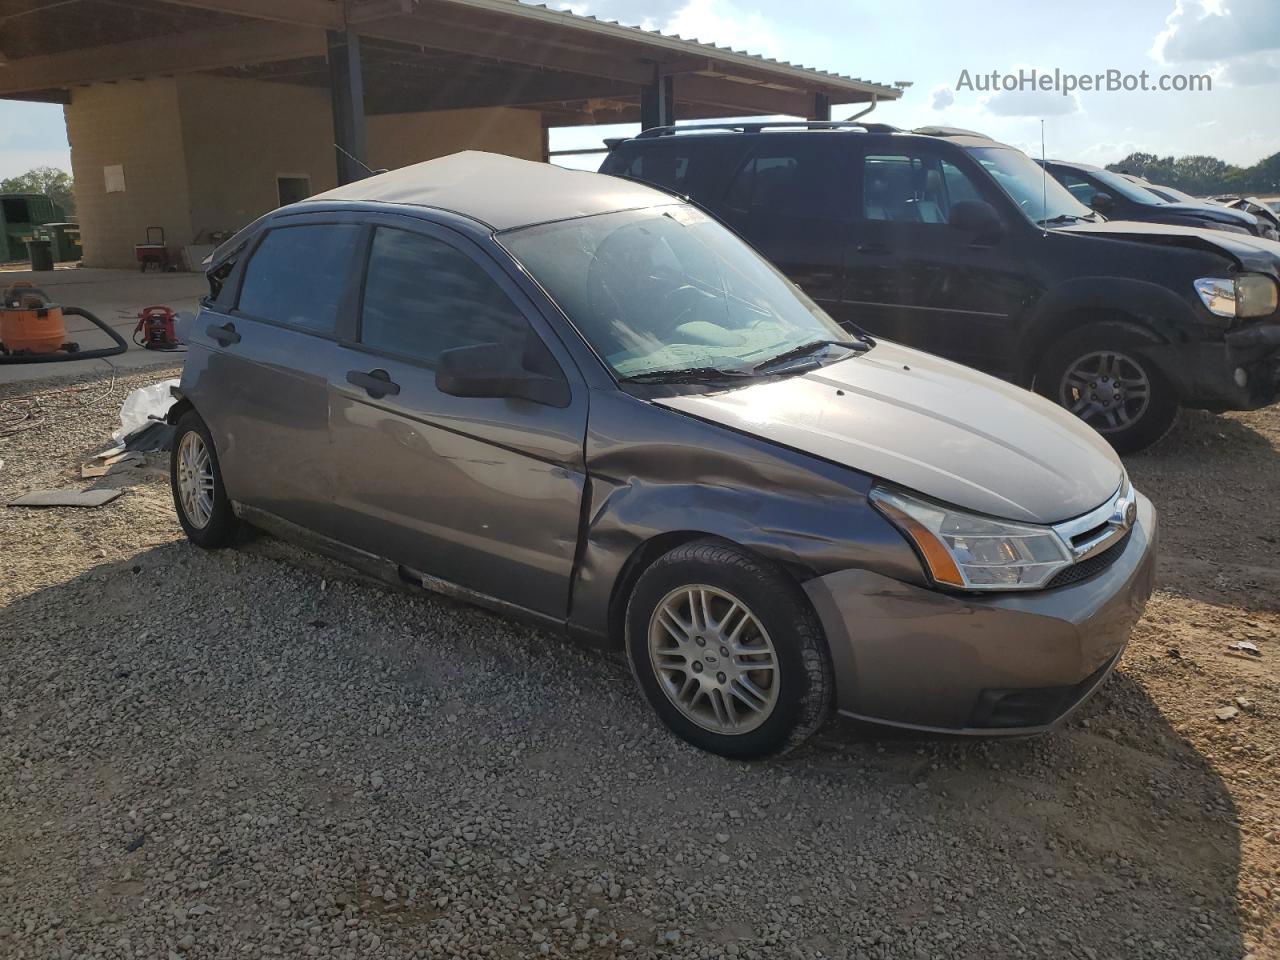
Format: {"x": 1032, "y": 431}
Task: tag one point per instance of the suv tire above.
{"x": 1100, "y": 373}
{"x": 199, "y": 496}
{"x": 728, "y": 651}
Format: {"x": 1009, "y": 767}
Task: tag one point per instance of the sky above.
{"x": 932, "y": 43}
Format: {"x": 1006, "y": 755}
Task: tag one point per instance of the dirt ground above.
{"x": 254, "y": 752}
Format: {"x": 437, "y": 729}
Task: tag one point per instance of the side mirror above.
{"x": 1104, "y": 203}
{"x": 979, "y": 218}
{"x": 495, "y": 370}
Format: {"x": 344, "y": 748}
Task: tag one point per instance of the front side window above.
{"x": 298, "y": 276}
{"x": 907, "y": 188}
{"x": 423, "y": 296}
{"x": 669, "y": 289}
{"x": 1040, "y": 197}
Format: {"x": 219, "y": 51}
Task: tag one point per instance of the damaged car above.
{"x": 578, "y": 401}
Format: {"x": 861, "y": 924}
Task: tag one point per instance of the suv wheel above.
{"x": 728, "y": 651}
{"x": 198, "y": 494}
{"x": 1100, "y": 375}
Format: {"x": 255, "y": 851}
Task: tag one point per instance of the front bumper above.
{"x": 1014, "y": 663}
{"x": 1204, "y": 372}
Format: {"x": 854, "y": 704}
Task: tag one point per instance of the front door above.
{"x": 484, "y": 493}
{"x": 915, "y": 278}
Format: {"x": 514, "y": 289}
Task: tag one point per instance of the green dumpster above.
{"x": 64, "y": 237}
{"x": 40, "y": 253}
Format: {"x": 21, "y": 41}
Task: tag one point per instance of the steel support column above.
{"x": 658, "y": 103}
{"x": 346, "y": 93}
{"x": 821, "y": 107}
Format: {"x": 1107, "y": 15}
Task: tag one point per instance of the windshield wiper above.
{"x": 813, "y": 346}
{"x": 685, "y": 375}
{"x": 1065, "y": 218}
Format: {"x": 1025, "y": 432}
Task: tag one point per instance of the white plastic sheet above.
{"x": 144, "y": 406}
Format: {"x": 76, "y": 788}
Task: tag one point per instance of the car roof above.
{"x": 659, "y": 138}
{"x": 499, "y": 191}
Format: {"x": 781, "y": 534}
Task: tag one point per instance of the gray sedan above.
{"x": 582, "y": 402}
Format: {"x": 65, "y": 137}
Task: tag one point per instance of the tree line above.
{"x": 1203, "y": 175}
{"x": 55, "y": 183}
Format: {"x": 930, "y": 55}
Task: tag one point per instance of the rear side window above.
{"x": 666, "y": 166}
{"x": 796, "y": 178}
{"x": 298, "y": 276}
{"x": 423, "y": 297}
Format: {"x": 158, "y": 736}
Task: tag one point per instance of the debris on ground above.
{"x": 143, "y": 407}
{"x": 1227, "y": 713}
{"x": 65, "y": 498}
{"x": 1244, "y": 648}
{"x": 120, "y": 463}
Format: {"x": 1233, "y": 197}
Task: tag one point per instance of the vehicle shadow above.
{"x": 247, "y": 684}
{"x": 1213, "y": 481}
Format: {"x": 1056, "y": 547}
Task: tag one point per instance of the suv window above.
{"x": 422, "y": 297}
{"x": 667, "y": 167}
{"x": 1078, "y": 187}
{"x": 298, "y": 275}
{"x": 793, "y": 178}
{"x": 912, "y": 188}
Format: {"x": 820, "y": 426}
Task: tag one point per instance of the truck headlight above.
{"x": 972, "y": 552}
{"x": 1248, "y": 295}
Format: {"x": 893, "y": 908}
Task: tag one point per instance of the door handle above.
{"x": 376, "y": 383}
{"x": 871, "y": 248}
{"x": 225, "y": 334}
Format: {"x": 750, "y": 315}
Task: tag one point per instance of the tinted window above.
{"x": 666, "y": 166}
{"x": 423, "y": 297}
{"x": 1082, "y": 190}
{"x": 794, "y": 178}
{"x": 298, "y": 275}
{"x": 906, "y": 188}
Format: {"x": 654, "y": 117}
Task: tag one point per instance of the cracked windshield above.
{"x": 670, "y": 291}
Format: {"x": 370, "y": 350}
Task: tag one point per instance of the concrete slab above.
{"x": 116, "y": 297}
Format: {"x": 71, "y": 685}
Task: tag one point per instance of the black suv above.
{"x": 1120, "y": 196}
{"x": 946, "y": 240}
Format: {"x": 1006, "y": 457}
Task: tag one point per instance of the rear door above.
{"x": 259, "y": 361}
{"x": 482, "y": 493}
{"x": 792, "y": 198}
{"x": 914, "y": 278}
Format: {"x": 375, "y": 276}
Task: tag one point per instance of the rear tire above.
{"x": 728, "y": 651}
{"x": 199, "y": 496}
{"x": 1100, "y": 373}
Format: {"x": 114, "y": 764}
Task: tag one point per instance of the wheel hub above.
{"x": 713, "y": 659}
{"x": 1107, "y": 389}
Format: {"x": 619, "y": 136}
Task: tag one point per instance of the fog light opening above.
{"x": 1241, "y": 377}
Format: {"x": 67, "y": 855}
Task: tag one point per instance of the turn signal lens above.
{"x": 972, "y": 552}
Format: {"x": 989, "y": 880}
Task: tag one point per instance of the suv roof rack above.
{"x": 949, "y": 132}
{"x": 755, "y": 126}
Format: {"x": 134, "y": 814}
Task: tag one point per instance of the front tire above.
{"x": 728, "y": 651}
{"x": 199, "y": 496}
{"x": 1101, "y": 374}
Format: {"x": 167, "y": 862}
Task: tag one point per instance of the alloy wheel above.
{"x": 195, "y": 479}
{"x": 714, "y": 659}
{"x": 1107, "y": 390}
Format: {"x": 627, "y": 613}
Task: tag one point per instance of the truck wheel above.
{"x": 1100, "y": 374}
{"x": 198, "y": 494}
{"x": 728, "y": 651}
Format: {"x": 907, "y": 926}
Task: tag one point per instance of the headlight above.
{"x": 1248, "y": 295}
{"x": 972, "y": 552}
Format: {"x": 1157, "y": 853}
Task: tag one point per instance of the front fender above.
{"x": 676, "y": 478}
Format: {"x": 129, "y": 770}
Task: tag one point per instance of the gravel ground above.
{"x": 258, "y": 753}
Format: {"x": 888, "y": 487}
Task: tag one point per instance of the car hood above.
{"x": 1212, "y": 211}
{"x": 935, "y": 427}
{"x": 1252, "y": 253}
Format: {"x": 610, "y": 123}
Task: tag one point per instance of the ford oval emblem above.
{"x": 1125, "y": 514}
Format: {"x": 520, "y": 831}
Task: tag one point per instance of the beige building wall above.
{"x": 202, "y": 153}
{"x": 134, "y": 125}
{"x": 399, "y": 139}
{"x": 240, "y": 135}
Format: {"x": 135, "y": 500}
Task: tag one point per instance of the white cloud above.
{"x": 1217, "y": 30}
{"x": 942, "y": 97}
{"x": 1030, "y": 103}
{"x": 1252, "y": 71}
{"x": 719, "y": 21}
